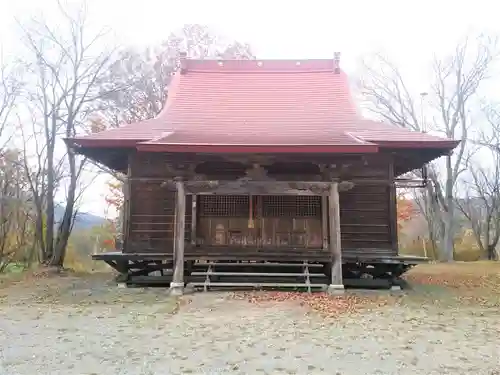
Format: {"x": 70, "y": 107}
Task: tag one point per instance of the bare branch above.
{"x": 454, "y": 97}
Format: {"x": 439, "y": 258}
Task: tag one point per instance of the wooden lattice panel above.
{"x": 291, "y": 206}
{"x": 262, "y": 206}
{"x": 224, "y": 206}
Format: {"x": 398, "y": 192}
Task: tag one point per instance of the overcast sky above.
{"x": 409, "y": 31}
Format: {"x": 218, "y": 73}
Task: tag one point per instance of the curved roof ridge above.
{"x": 261, "y": 66}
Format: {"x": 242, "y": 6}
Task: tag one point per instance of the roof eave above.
{"x": 102, "y": 143}
{"x": 306, "y": 149}
{"x": 445, "y": 144}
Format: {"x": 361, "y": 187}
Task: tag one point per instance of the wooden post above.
{"x": 336, "y": 286}
{"x": 126, "y": 209}
{"x": 194, "y": 218}
{"x": 177, "y": 284}
{"x": 393, "y": 209}
{"x": 324, "y": 221}
{"x": 174, "y": 251}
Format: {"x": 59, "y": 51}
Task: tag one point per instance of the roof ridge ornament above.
{"x": 183, "y": 62}
{"x": 336, "y": 62}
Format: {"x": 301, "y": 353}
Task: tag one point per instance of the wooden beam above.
{"x": 258, "y": 187}
{"x": 336, "y": 285}
{"x": 169, "y": 184}
{"x": 177, "y": 284}
{"x": 246, "y": 186}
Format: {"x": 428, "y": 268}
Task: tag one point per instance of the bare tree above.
{"x": 481, "y": 203}
{"x": 429, "y": 207}
{"x": 10, "y": 87}
{"x": 66, "y": 62}
{"x": 454, "y": 94}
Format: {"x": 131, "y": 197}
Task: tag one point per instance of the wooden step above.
{"x": 276, "y": 264}
{"x": 259, "y": 285}
{"x": 281, "y": 274}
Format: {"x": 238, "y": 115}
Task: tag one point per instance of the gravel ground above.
{"x": 135, "y": 333}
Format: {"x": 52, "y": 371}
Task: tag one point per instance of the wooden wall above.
{"x": 152, "y": 215}
{"x": 368, "y": 211}
{"x": 365, "y": 220}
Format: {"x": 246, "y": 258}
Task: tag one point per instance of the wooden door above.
{"x": 260, "y": 221}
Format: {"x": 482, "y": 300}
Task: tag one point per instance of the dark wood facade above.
{"x": 261, "y": 226}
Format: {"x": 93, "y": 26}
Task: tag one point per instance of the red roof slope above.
{"x": 262, "y": 106}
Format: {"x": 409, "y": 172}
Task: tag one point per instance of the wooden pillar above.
{"x": 393, "y": 209}
{"x": 324, "y": 221}
{"x": 336, "y": 286}
{"x": 177, "y": 284}
{"x": 126, "y": 209}
{"x": 194, "y": 219}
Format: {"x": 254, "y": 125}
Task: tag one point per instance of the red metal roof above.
{"x": 260, "y": 106}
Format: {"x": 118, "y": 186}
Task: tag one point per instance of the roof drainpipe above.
{"x": 336, "y": 62}
{"x": 183, "y": 62}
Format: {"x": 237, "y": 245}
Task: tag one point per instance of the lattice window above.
{"x": 267, "y": 206}
{"x": 291, "y": 206}
{"x": 224, "y": 205}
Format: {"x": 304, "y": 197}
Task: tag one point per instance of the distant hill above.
{"x": 83, "y": 220}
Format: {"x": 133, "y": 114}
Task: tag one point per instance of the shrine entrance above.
{"x": 261, "y": 221}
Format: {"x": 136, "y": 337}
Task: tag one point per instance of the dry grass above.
{"x": 70, "y": 288}
{"x": 473, "y": 285}
{"x": 457, "y": 270}
{"x": 84, "y": 263}
{"x": 480, "y": 277}
{"x": 467, "y": 284}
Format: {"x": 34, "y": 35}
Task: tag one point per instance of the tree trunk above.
{"x": 49, "y": 212}
{"x": 448, "y": 214}
{"x": 40, "y": 233}
{"x": 64, "y": 231}
{"x": 430, "y": 218}
{"x": 491, "y": 252}
{"x": 447, "y": 248}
